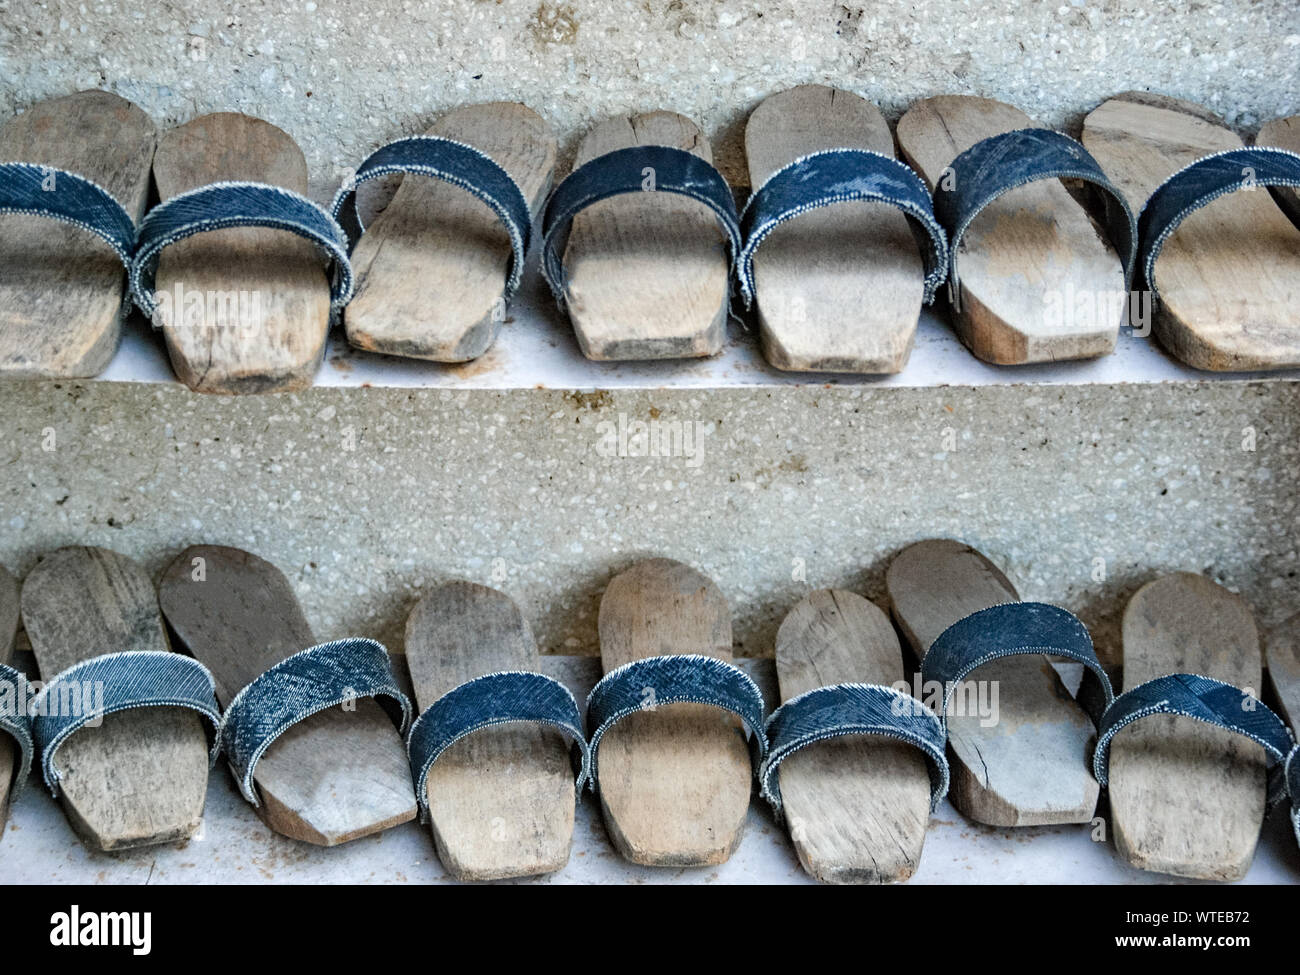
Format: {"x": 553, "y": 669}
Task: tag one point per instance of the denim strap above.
{"x": 44, "y": 191}
{"x": 1208, "y": 700}
{"x": 1292, "y": 769}
{"x": 832, "y": 176}
{"x": 1203, "y": 182}
{"x": 853, "y": 709}
{"x": 1004, "y": 162}
{"x": 310, "y": 681}
{"x": 452, "y": 162}
{"x": 221, "y": 205}
{"x": 643, "y": 685}
{"x": 131, "y": 679}
{"x": 15, "y": 721}
{"x": 637, "y": 169}
{"x": 1009, "y": 629}
{"x": 494, "y": 699}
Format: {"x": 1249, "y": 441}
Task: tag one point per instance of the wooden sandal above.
{"x": 310, "y": 734}
{"x": 648, "y": 230}
{"x": 1030, "y": 277}
{"x": 1284, "y": 133}
{"x": 857, "y": 802}
{"x": 229, "y": 264}
{"x": 82, "y": 160}
{"x": 838, "y": 280}
{"x": 141, "y": 776}
{"x": 1184, "y": 750}
{"x": 1019, "y": 741}
{"x": 15, "y": 694}
{"x": 489, "y": 753}
{"x": 1222, "y": 267}
{"x": 438, "y": 266}
{"x": 668, "y": 755}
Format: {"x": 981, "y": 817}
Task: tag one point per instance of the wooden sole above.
{"x": 1187, "y": 798}
{"x": 501, "y": 800}
{"x": 1229, "y": 276}
{"x": 431, "y": 269}
{"x": 1031, "y": 766}
{"x": 62, "y": 289}
{"x": 648, "y": 273}
{"x": 271, "y": 283}
{"x": 857, "y": 807}
{"x": 140, "y": 778}
{"x": 1283, "y": 653}
{"x": 839, "y": 288}
{"x": 337, "y": 775}
{"x": 674, "y": 782}
{"x": 1029, "y": 258}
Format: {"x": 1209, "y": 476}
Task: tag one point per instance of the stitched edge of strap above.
{"x": 573, "y": 730}
{"x": 245, "y": 778}
{"x": 780, "y": 750}
{"x": 1150, "y": 252}
{"x": 1094, "y": 667}
{"x": 123, "y": 253}
{"x": 19, "y": 725}
{"x": 144, "y": 264}
{"x": 1101, "y": 752}
{"x": 558, "y": 225}
{"x": 706, "y": 663}
{"x": 519, "y": 235}
{"x": 936, "y": 260}
{"x": 49, "y": 748}
{"x": 1098, "y": 179}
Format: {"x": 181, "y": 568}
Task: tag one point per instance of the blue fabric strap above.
{"x": 221, "y": 205}
{"x": 87, "y": 691}
{"x": 853, "y": 709}
{"x": 47, "y": 192}
{"x": 455, "y": 163}
{"x": 1204, "y": 699}
{"x": 320, "y": 677}
{"x": 833, "y": 176}
{"x": 15, "y": 721}
{"x": 1201, "y": 183}
{"x": 644, "y": 685}
{"x": 1292, "y": 769}
{"x": 1009, "y": 629}
{"x": 637, "y": 169}
{"x": 485, "y": 701}
{"x": 1004, "y": 162}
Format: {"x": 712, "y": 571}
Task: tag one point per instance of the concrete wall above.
{"x": 344, "y": 76}
{"x": 364, "y": 497}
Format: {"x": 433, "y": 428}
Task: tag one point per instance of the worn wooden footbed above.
{"x": 1032, "y": 250}
{"x": 501, "y": 800}
{"x": 335, "y": 776}
{"x": 674, "y": 782}
{"x": 648, "y": 273}
{"x": 9, "y": 615}
{"x": 282, "y": 275}
{"x": 1032, "y": 767}
{"x": 857, "y": 806}
{"x": 62, "y": 288}
{"x": 1229, "y": 276}
{"x": 1282, "y": 649}
{"x": 139, "y": 778}
{"x": 1187, "y": 798}
{"x": 1284, "y": 133}
{"x": 431, "y": 269}
{"x": 839, "y": 288}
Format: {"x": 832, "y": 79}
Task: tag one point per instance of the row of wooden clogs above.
{"x": 849, "y": 250}
{"x": 853, "y": 760}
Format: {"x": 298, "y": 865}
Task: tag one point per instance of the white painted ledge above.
{"x": 536, "y": 349}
